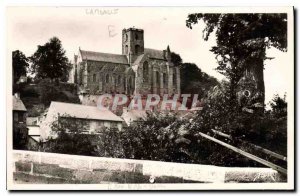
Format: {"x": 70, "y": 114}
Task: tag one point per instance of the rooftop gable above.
{"x": 83, "y": 111}
{"x": 18, "y": 105}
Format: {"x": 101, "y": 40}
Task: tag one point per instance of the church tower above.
{"x": 132, "y": 43}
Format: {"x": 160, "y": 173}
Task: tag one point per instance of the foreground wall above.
{"x": 40, "y": 167}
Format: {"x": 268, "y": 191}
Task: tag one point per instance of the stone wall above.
{"x": 40, "y": 167}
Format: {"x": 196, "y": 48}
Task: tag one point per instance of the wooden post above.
{"x": 246, "y": 154}
{"x": 266, "y": 151}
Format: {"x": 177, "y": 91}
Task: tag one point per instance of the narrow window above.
{"x": 94, "y": 77}
{"x": 130, "y": 83}
{"x": 119, "y": 79}
{"x": 107, "y": 78}
{"x": 145, "y": 71}
{"x": 137, "y": 49}
{"x": 165, "y": 78}
{"x": 157, "y": 78}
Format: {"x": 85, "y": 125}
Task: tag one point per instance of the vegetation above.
{"x": 20, "y": 65}
{"x": 194, "y": 81}
{"x": 20, "y": 136}
{"x": 50, "y": 61}
{"x": 242, "y": 40}
{"x": 70, "y": 139}
{"x": 165, "y": 137}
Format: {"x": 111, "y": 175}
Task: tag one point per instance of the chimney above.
{"x": 17, "y": 95}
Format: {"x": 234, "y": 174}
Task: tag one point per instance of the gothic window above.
{"x": 157, "y": 78}
{"x": 113, "y": 80}
{"x": 119, "y": 79}
{"x": 126, "y": 49}
{"x": 107, "y": 78}
{"x": 130, "y": 83}
{"x": 124, "y": 83}
{"x": 165, "y": 78}
{"x": 145, "y": 71}
{"x": 126, "y": 37}
{"x": 94, "y": 77}
{"x": 174, "y": 77}
{"x": 136, "y": 36}
{"x": 137, "y": 49}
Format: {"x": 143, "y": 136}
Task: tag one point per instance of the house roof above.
{"x": 134, "y": 115}
{"x": 83, "y": 111}
{"x": 153, "y": 53}
{"x": 18, "y": 104}
{"x": 104, "y": 57}
{"x": 32, "y": 120}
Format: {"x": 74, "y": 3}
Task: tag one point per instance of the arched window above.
{"x": 124, "y": 81}
{"x": 157, "y": 78}
{"x": 94, "y": 77}
{"x": 137, "y": 49}
{"x": 130, "y": 83}
{"x": 136, "y": 36}
{"x": 119, "y": 79}
{"x": 165, "y": 78}
{"x": 145, "y": 71}
{"x": 107, "y": 78}
{"x": 126, "y": 49}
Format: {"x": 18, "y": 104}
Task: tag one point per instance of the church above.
{"x": 138, "y": 70}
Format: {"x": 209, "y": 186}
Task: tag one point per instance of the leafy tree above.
{"x": 242, "y": 40}
{"x": 70, "y": 137}
{"x": 50, "y": 61}
{"x": 156, "y": 138}
{"x": 108, "y": 142}
{"x": 55, "y": 92}
{"x": 176, "y": 59}
{"x": 279, "y": 106}
{"x": 20, "y": 136}
{"x": 194, "y": 81}
{"x": 20, "y": 64}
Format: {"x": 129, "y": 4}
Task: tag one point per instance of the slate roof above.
{"x": 83, "y": 111}
{"x": 153, "y": 53}
{"x": 18, "y": 105}
{"x": 104, "y": 57}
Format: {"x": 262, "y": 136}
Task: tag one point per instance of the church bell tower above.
{"x": 132, "y": 43}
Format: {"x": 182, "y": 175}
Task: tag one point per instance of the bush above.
{"x": 70, "y": 138}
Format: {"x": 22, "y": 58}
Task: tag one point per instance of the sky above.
{"x": 100, "y": 29}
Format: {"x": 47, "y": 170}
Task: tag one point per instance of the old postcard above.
{"x": 150, "y": 98}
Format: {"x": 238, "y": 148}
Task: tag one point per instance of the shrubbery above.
{"x": 165, "y": 137}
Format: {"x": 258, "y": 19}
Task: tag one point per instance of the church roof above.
{"x": 104, "y": 57}
{"x": 153, "y": 53}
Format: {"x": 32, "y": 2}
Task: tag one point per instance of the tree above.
{"x": 279, "y": 106}
{"x": 108, "y": 142}
{"x": 152, "y": 140}
{"x": 20, "y": 64}
{"x": 55, "y": 92}
{"x": 242, "y": 40}
{"x": 20, "y": 136}
{"x": 71, "y": 138}
{"x": 50, "y": 61}
{"x": 176, "y": 59}
{"x": 194, "y": 81}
